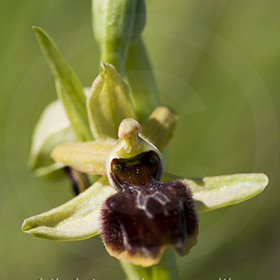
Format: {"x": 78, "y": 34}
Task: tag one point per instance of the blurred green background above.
{"x": 217, "y": 64}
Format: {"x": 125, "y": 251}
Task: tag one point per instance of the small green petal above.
{"x": 75, "y": 220}
{"x": 52, "y": 129}
{"x": 219, "y": 191}
{"x": 68, "y": 86}
{"x": 88, "y": 157}
{"x": 160, "y": 127}
{"x": 109, "y": 103}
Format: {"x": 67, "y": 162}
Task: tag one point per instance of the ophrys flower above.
{"x": 145, "y": 215}
{"x": 137, "y": 215}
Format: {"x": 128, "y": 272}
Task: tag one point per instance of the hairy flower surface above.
{"x": 145, "y": 215}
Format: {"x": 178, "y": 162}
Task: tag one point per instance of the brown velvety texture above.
{"x": 143, "y": 220}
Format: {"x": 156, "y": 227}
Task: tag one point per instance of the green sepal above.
{"x": 215, "y": 192}
{"x": 52, "y": 129}
{"x": 69, "y": 88}
{"x": 109, "y": 103}
{"x": 77, "y": 219}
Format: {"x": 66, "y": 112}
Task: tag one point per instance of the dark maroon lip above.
{"x": 141, "y": 221}
{"x": 146, "y": 215}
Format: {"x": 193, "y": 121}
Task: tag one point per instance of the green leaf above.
{"x": 75, "y": 220}
{"x": 109, "y": 103}
{"x": 215, "y": 192}
{"x": 68, "y": 86}
{"x": 53, "y": 128}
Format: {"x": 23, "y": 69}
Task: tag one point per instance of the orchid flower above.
{"x": 95, "y": 137}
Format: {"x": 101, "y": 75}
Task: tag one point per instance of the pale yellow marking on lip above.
{"x": 136, "y": 259}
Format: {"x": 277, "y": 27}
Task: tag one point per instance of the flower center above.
{"x": 133, "y": 161}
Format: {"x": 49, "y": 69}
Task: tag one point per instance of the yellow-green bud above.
{"x": 116, "y": 24}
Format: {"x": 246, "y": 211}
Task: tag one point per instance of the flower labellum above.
{"x": 145, "y": 215}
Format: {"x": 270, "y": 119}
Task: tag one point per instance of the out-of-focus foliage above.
{"x": 217, "y": 64}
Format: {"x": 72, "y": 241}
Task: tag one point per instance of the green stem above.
{"x": 165, "y": 270}
{"x": 141, "y": 80}
{"x": 170, "y": 263}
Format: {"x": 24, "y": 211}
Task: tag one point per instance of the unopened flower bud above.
{"x": 116, "y": 24}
